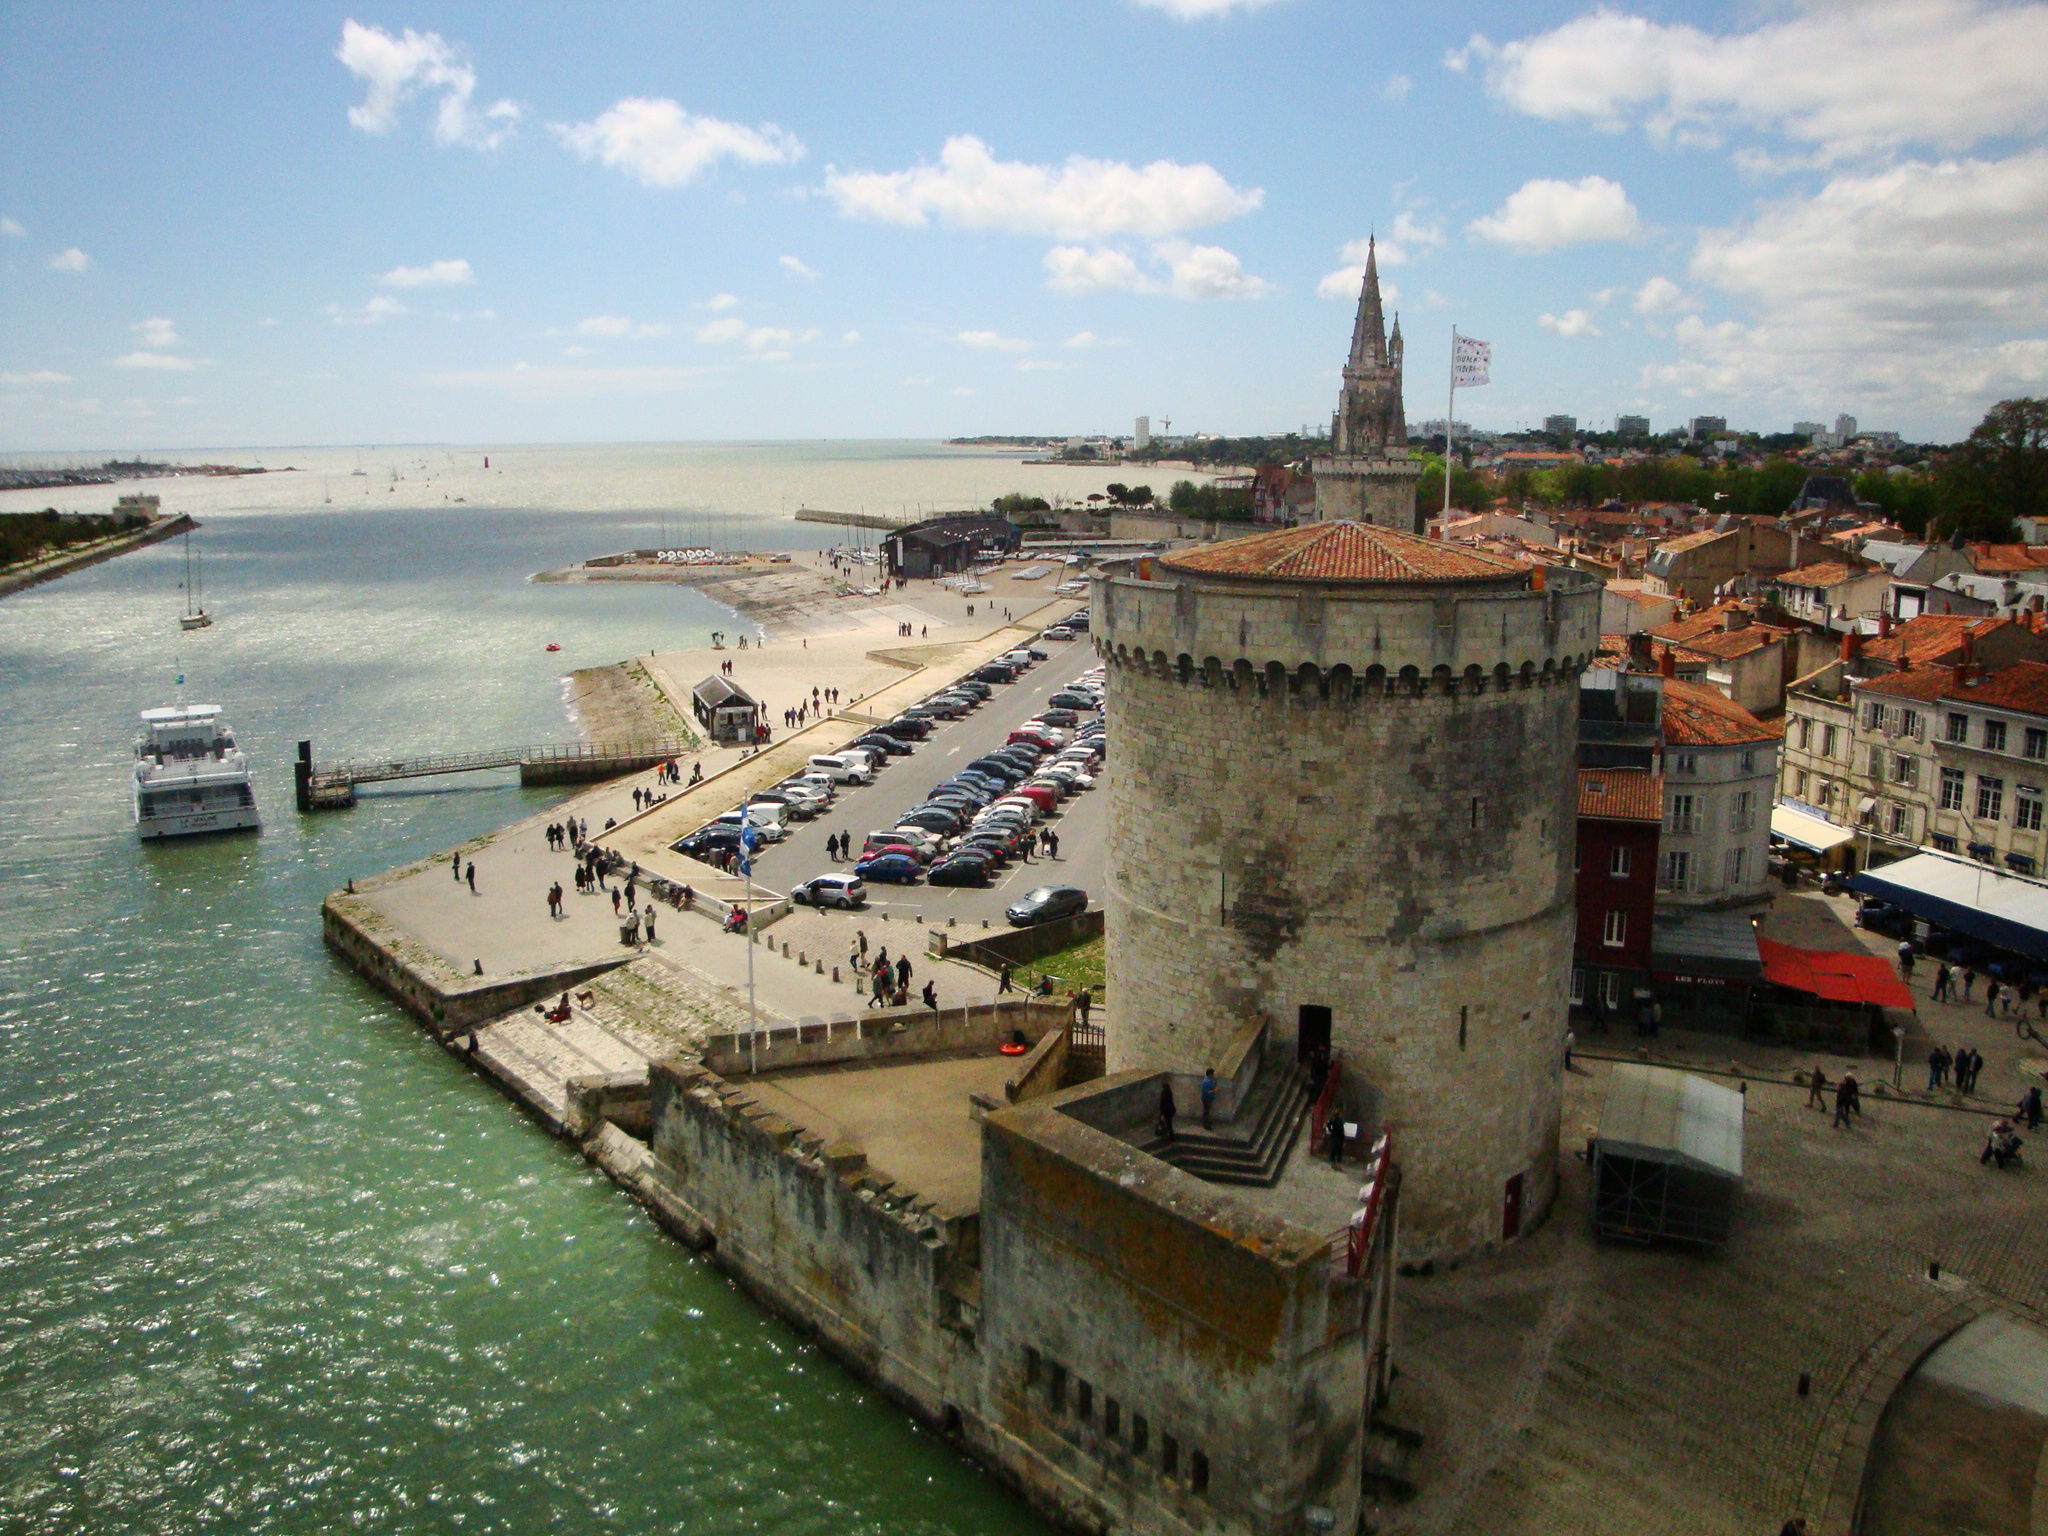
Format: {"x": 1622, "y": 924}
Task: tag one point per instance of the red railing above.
{"x": 1359, "y": 1239}
{"x": 1319, "y": 1112}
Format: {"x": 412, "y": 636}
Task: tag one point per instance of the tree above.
{"x": 1017, "y": 501}
{"x": 1999, "y": 473}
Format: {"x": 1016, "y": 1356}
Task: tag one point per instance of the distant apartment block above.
{"x": 1632, "y": 426}
{"x": 1141, "y": 435}
{"x": 1560, "y": 426}
{"x": 1809, "y": 429}
{"x": 1704, "y": 427}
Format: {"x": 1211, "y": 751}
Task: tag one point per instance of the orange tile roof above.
{"x": 1727, "y": 644}
{"x": 1996, "y": 559}
{"x": 1827, "y": 573}
{"x": 1925, "y": 684}
{"x": 2021, "y": 685}
{"x": 1699, "y": 716}
{"x": 1693, "y": 540}
{"x": 1929, "y": 637}
{"x": 1347, "y": 552}
{"x": 1621, "y": 794}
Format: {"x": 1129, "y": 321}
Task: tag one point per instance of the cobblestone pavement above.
{"x": 1570, "y": 1387}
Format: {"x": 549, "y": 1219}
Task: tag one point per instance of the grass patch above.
{"x": 1077, "y": 966}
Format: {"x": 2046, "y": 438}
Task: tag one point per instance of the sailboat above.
{"x": 195, "y": 615}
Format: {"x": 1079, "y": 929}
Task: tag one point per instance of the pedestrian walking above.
{"x": 1969, "y": 1062}
{"x": 1570, "y": 1040}
{"x": 647, "y": 921}
{"x": 1944, "y": 980}
{"x": 1003, "y": 978}
{"x": 2030, "y": 1108}
{"x": 1083, "y": 1004}
{"x": 903, "y": 972}
{"x": 931, "y": 996}
{"x": 1847, "y": 1101}
{"x": 456, "y": 864}
{"x": 1969, "y": 981}
{"x": 1816, "y": 1088}
{"x": 1992, "y": 989}
{"x": 1937, "y": 1064}
{"x": 1164, "y": 1124}
{"x": 1906, "y": 960}
{"x": 615, "y": 903}
{"x": 472, "y": 877}
{"x": 1208, "y": 1095}
{"x": 860, "y": 937}
{"x": 1052, "y": 842}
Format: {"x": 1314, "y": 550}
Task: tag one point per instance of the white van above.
{"x": 843, "y": 767}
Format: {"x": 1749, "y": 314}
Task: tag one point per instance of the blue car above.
{"x": 889, "y": 869}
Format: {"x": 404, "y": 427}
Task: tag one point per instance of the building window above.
{"x": 1909, "y": 722}
{"x": 1198, "y": 1471}
{"x": 1618, "y": 861}
{"x": 1169, "y": 1455}
{"x": 1056, "y": 1389}
{"x": 1677, "y": 866}
{"x": 1943, "y": 843}
{"x": 1743, "y": 817}
{"x": 1902, "y": 823}
{"x": 1084, "y": 1400}
{"x": 2026, "y": 808}
{"x": 1799, "y": 784}
{"x": 1682, "y": 815}
{"x": 1112, "y": 1417}
{"x": 1614, "y": 934}
{"x": 1905, "y": 770}
{"x": 1578, "y": 987}
{"x": 1827, "y": 741}
{"x": 2036, "y": 742}
{"x": 1748, "y": 760}
{"x": 1827, "y": 791}
{"x": 1958, "y": 727}
{"x": 1990, "y": 796}
{"x": 1873, "y": 717}
{"x": 1951, "y": 789}
{"x": 1030, "y": 1366}
{"x": 1994, "y": 735}
{"x": 1806, "y": 735}
{"x": 1141, "y": 1434}
{"x": 1876, "y": 761}
{"x": 1738, "y": 866}
{"x": 1685, "y": 762}
{"x": 1610, "y": 988}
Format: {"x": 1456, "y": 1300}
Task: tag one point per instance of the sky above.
{"x": 280, "y": 223}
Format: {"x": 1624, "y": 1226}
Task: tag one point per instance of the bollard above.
{"x": 835, "y": 973}
{"x": 920, "y": 919}
{"x": 885, "y": 917}
{"x": 820, "y": 966}
{"x": 950, "y": 921}
{"x": 801, "y": 958}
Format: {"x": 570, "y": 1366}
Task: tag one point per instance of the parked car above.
{"x": 960, "y": 869}
{"x": 877, "y": 742}
{"x": 934, "y": 818}
{"x": 1059, "y": 632}
{"x": 904, "y": 728}
{"x": 993, "y": 672}
{"x": 830, "y": 891}
{"x": 843, "y": 767}
{"x": 1065, "y": 719}
{"x": 706, "y": 841}
{"x": 1045, "y": 904}
{"x": 1073, "y": 698}
{"x": 890, "y": 869}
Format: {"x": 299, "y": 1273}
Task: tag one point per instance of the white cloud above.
{"x": 156, "y": 331}
{"x": 557, "y": 379}
{"x": 395, "y": 68}
{"x": 1573, "y": 322}
{"x": 1914, "y": 287}
{"x": 161, "y": 362}
{"x": 435, "y": 274}
{"x": 1081, "y": 341}
{"x": 719, "y": 303}
{"x": 654, "y": 141}
{"x": 1659, "y": 296}
{"x": 768, "y": 342}
{"x": 1040, "y": 365}
{"x": 849, "y": 338}
{"x": 1346, "y": 282}
{"x": 796, "y": 268}
{"x": 36, "y": 376}
{"x": 1208, "y": 272}
{"x": 73, "y": 260}
{"x": 576, "y": 351}
{"x": 381, "y": 307}
{"x": 11, "y": 228}
{"x": 992, "y": 341}
{"x": 1412, "y": 234}
{"x": 1082, "y": 199}
{"x": 960, "y": 389}
{"x": 1201, "y": 10}
{"x": 1396, "y": 88}
{"x": 1078, "y": 269}
{"x": 1544, "y": 215}
{"x": 620, "y": 325}
{"x": 1950, "y": 73}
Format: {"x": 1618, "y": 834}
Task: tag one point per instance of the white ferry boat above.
{"x": 189, "y": 775}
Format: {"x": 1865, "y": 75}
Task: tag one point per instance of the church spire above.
{"x": 1369, "y": 333}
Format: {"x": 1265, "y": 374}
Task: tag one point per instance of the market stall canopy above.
{"x": 1839, "y": 977}
{"x": 1673, "y": 1117}
{"x": 1809, "y": 832}
{"x": 1967, "y": 897}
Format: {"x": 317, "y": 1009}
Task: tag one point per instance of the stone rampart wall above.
{"x": 890, "y": 1034}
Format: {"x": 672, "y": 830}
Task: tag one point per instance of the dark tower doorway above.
{"x": 1312, "y": 1031}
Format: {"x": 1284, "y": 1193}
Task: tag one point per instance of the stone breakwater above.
{"x": 31, "y": 573}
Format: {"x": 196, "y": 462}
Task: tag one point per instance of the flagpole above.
{"x": 1450, "y": 418}
{"x": 749, "y": 840}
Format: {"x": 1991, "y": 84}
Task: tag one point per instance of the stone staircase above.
{"x": 1253, "y": 1148}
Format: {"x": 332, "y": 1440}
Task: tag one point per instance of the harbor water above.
{"x": 269, "y": 1260}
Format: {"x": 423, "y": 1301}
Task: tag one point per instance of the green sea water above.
{"x": 269, "y": 1261}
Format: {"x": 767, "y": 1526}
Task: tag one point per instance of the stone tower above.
{"x": 1343, "y": 804}
{"x": 1368, "y": 476}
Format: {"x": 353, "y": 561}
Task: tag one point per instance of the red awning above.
{"x": 1840, "y": 977}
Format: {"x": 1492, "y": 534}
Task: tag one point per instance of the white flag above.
{"x": 1469, "y": 361}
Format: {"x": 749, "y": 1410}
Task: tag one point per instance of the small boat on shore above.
{"x": 190, "y": 777}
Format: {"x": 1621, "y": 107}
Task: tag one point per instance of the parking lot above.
{"x": 860, "y": 809}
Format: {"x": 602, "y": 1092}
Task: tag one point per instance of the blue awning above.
{"x": 1968, "y": 897}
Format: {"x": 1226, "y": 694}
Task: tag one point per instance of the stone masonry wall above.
{"x": 1364, "y": 805}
